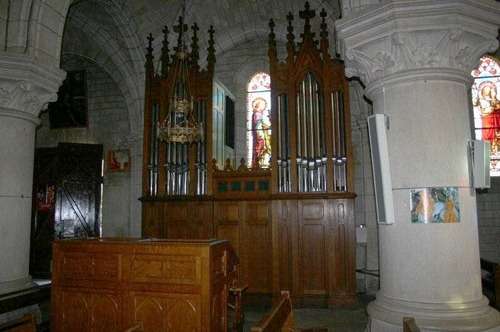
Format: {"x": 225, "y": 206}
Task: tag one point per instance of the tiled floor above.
{"x": 339, "y": 320}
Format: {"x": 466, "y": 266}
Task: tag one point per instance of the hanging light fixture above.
{"x": 180, "y": 125}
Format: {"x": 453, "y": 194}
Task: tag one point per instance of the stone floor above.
{"x": 339, "y": 320}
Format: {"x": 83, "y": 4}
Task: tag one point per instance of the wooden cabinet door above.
{"x": 247, "y": 226}
{"x": 314, "y": 251}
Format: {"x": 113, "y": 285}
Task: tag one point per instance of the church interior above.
{"x": 187, "y": 165}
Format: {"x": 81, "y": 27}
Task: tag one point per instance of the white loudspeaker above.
{"x": 381, "y": 171}
{"x": 479, "y": 163}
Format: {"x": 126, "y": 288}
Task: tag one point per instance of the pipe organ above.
{"x": 292, "y": 225}
{"x": 177, "y": 167}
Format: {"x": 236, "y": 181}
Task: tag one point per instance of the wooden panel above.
{"x": 152, "y": 225}
{"x": 227, "y": 216}
{"x": 247, "y": 224}
{"x": 256, "y": 255}
{"x": 227, "y": 212}
{"x": 343, "y": 287}
{"x": 312, "y": 260}
{"x": 163, "y": 311}
{"x": 178, "y": 269}
{"x": 186, "y": 219}
{"x": 80, "y": 265}
{"x": 258, "y": 213}
{"x": 82, "y": 310}
{"x": 312, "y": 247}
{"x": 305, "y": 245}
{"x": 284, "y": 248}
{"x": 313, "y": 211}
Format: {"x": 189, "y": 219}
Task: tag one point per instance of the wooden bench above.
{"x": 280, "y": 318}
{"x": 490, "y": 279}
{"x": 26, "y": 323}
{"x": 409, "y": 325}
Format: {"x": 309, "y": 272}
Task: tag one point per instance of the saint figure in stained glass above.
{"x": 486, "y": 105}
{"x": 259, "y": 121}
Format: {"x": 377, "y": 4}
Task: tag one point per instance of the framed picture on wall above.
{"x": 435, "y": 205}
{"x": 118, "y": 160}
{"x": 70, "y": 109}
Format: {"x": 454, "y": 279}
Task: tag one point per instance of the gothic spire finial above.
{"x": 149, "y": 55}
{"x": 165, "y": 58}
{"x": 306, "y": 15}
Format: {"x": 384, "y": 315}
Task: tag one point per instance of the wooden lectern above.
{"x": 113, "y": 284}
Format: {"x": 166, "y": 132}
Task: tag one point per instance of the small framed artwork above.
{"x": 45, "y": 197}
{"x": 435, "y": 205}
{"x": 118, "y": 160}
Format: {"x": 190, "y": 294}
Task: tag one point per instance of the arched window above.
{"x": 259, "y": 120}
{"x": 486, "y": 105}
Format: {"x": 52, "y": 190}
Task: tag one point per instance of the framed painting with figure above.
{"x": 118, "y": 160}
{"x": 70, "y": 109}
{"x": 435, "y": 205}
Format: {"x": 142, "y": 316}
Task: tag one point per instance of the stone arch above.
{"x": 124, "y": 64}
{"x": 35, "y": 28}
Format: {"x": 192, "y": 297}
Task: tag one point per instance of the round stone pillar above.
{"x": 17, "y": 139}
{"x": 25, "y": 89}
{"x": 415, "y": 58}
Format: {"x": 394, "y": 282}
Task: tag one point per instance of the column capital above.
{"x": 26, "y": 85}
{"x": 399, "y": 37}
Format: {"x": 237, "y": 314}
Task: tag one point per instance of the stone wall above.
{"x": 488, "y": 215}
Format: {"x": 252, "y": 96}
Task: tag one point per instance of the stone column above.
{"x": 25, "y": 88}
{"x": 415, "y": 59}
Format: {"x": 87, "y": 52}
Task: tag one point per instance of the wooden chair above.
{"x": 409, "y": 325}
{"x": 26, "y": 323}
{"x": 280, "y": 318}
{"x": 137, "y": 327}
{"x": 235, "y": 302}
{"x": 490, "y": 280}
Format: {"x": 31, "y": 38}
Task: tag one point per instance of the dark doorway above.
{"x": 66, "y": 199}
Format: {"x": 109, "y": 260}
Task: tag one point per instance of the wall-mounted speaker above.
{"x": 381, "y": 170}
{"x": 479, "y": 163}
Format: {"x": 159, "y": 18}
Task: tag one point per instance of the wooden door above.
{"x": 67, "y": 198}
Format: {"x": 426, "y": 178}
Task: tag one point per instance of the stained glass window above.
{"x": 259, "y": 120}
{"x": 486, "y": 105}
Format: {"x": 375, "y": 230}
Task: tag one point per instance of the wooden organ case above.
{"x": 292, "y": 225}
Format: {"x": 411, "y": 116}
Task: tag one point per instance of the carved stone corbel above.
{"x": 27, "y": 86}
{"x": 401, "y": 37}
